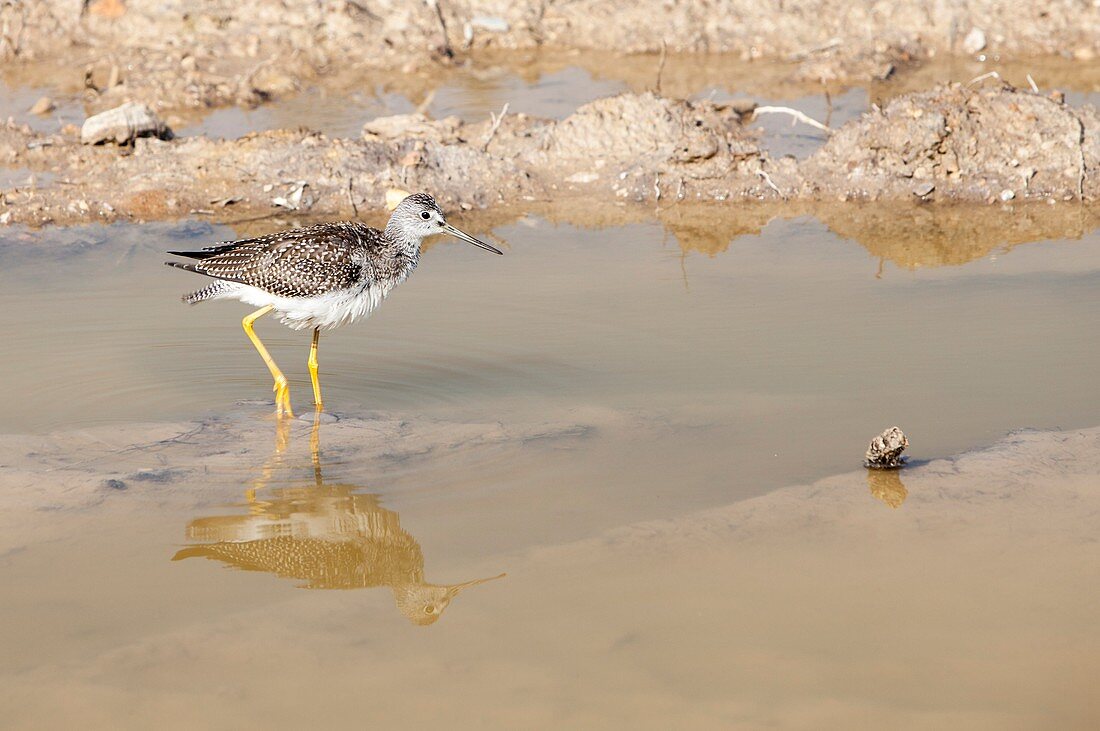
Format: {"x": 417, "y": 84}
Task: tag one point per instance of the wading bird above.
{"x": 319, "y": 277}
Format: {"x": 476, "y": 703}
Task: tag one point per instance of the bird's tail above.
{"x": 210, "y": 291}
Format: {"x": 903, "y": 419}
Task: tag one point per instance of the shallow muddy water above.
{"x": 534, "y": 414}
{"x": 653, "y": 428}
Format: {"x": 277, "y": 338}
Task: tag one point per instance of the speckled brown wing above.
{"x": 304, "y": 262}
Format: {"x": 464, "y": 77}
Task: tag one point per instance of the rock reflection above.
{"x": 330, "y": 536}
{"x": 887, "y": 486}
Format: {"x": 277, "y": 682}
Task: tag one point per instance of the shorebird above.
{"x": 320, "y": 276}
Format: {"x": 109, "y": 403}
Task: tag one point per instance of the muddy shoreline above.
{"x": 985, "y": 141}
{"x": 983, "y": 144}
{"x": 255, "y": 50}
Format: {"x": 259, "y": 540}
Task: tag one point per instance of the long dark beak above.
{"x": 448, "y": 228}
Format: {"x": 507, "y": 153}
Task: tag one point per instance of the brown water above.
{"x": 612, "y": 416}
{"x": 497, "y": 408}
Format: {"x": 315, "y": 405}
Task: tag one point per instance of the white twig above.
{"x": 771, "y": 184}
{"x": 657, "y": 186}
{"x": 497, "y": 119}
{"x": 1034, "y": 86}
{"x": 983, "y": 77}
{"x": 799, "y": 116}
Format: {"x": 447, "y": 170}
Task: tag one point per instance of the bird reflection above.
{"x": 329, "y": 536}
{"x": 887, "y": 486}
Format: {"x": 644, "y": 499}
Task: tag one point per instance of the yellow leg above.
{"x": 282, "y": 387}
{"x": 313, "y": 370}
{"x": 315, "y": 448}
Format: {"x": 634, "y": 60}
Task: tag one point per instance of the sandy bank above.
{"x": 247, "y": 52}
{"x": 987, "y": 144}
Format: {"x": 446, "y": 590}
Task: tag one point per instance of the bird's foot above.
{"x": 282, "y": 397}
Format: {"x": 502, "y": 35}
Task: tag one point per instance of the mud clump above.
{"x": 961, "y": 143}
{"x": 615, "y": 147}
{"x": 123, "y": 125}
{"x": 949, "y": 144}
{"x": 884, "y": 452}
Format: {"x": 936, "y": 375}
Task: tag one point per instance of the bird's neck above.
{"x": 400, "y": 255}
{"x": 409, "y": 244}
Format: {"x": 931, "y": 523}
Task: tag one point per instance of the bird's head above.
{"x": 423, "y": 603}
{"x": 419, "y": 216}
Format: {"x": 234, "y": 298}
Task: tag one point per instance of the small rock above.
{"x": 412, "y": 125}
{"x": 490, "y": 23}
{"x": 107, "y": 8}
{"x": 295, "y": 199}
{"x": 923, "y": 189}
{"x": 885, "y": 450}
{"x": 974, "y": 41}
{"x": 583, "y": 178}
{"x": 114, "y": 484}
{"x": 44, "y": 105}
{"x": 1007, "y": 195}
{"x": 394, "y": 196}
{"x": 123, "y": 125}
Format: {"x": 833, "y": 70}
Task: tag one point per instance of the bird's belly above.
{"x": 324, "y": 311}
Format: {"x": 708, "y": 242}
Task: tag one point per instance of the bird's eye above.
{"x": 425, "y": 215}
{"x": 429, "y": 609}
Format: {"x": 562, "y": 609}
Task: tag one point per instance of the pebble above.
{"x": 1007, "y": 195}
{"x": 583, "y": 178}
{"x": 44, "y": 105}
{"x": 974, "y": 41}
{"x": 123, "y": 124}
